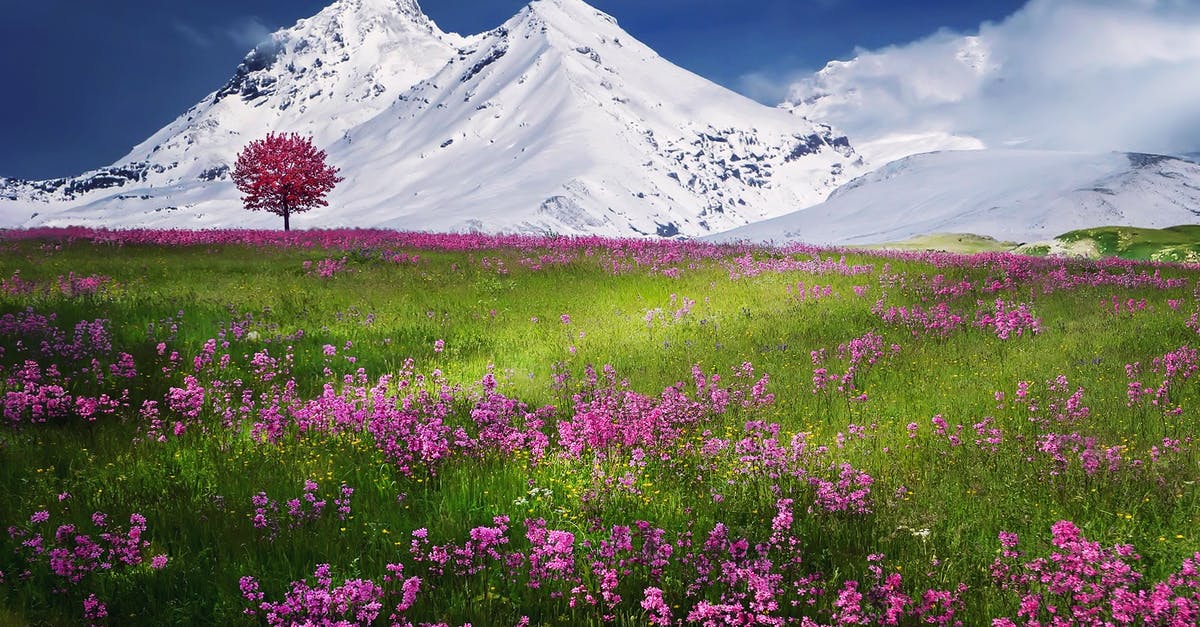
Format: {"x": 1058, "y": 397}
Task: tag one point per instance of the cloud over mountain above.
{"x": 1057, "y": 74}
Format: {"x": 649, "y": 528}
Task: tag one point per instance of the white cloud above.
{"x": 247, "y": 32}
{"x": 243, "y": 32}
{"x": 1057, "y": 74}
{"x": 768, "y": 86}
{"x": 191, "y": 34}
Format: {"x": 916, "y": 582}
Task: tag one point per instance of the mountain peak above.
{"x": 577, "y": 6}
{"x": 406, "y": 7}
{"x": 564, "y": 13}
{"x": 350, "y": 15}
{"x": 359, "y": 33}
{"x": 564, "y": 122}
{"x": 321, "y": 76}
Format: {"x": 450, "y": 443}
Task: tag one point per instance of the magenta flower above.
{"x": 658, "y": 610}
{"x": 93, "y": 608}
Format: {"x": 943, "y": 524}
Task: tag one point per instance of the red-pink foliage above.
{"x": 284, "y": 174}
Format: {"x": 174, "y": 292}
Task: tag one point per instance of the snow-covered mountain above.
{"x": 1019, "y": 94}
{"x": 322, "y": 77}
{"x": 557, "y": 121}
{"x": 1011, "y": 195}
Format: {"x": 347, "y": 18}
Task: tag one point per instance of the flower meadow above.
{"x": 380, "y": 428}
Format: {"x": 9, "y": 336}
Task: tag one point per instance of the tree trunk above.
{"x": 286, "y": 215}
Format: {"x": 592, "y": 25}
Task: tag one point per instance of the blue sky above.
{"x": 86, "y": 80}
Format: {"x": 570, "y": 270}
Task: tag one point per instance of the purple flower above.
{"x": 93, "y": 608}
{"x": 656, "y": 607}
{"x": 1008, "y": 539}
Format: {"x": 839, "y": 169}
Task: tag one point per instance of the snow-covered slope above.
{"x": 1013, "y": 195}
{"x": 558, "y": 121}
{"x": 323, "y": 76}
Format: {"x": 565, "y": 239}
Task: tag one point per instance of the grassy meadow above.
{"x": 1177, "y": 243}
{"x": 381, "y": 428}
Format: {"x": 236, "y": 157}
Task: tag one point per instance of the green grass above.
{"x": 964, "y": 243}
{"x": 1177, "y": 243}
{"x": 1173, "y": 244}
{"x": 195, "y": 490}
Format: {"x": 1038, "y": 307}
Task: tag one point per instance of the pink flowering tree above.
{"x": 283, "y": 174}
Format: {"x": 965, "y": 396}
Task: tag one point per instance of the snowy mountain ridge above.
{"x": 300, "y": 79}
{"x": 1011, "y": 195}
{"x": 557, "y": 121}
{"x": 667, "y": 152}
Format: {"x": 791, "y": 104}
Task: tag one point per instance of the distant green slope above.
{"x": 1177, "y": 243}
{"x": 966, "y": 243}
